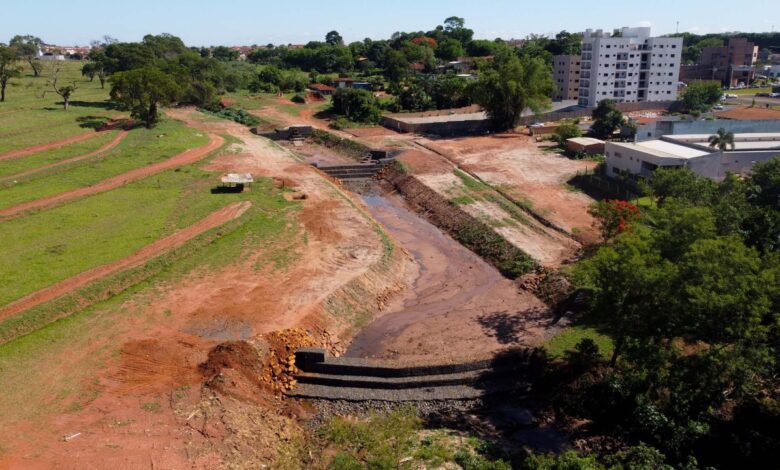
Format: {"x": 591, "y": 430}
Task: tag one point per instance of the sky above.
{"x": 247, "y": 22}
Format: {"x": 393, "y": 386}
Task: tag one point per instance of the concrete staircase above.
{"x": 352, "y": 379}
{"x": 361, "y": 171}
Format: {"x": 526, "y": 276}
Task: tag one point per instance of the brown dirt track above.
{"x": 184, "y": 158}
{"x": 113, "y": 143}
{"x": 51, "y": 145}
{"x": 146, "y": 253}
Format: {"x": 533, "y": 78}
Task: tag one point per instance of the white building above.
{"x": 692, "y": 151}
{"x": 628, "y": 68}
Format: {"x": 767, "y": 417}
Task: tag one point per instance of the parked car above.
{"x": 731, "y": 95}
{"x": 718, "y": 107}
{"x": 774, "y": 95}
{"x": 536, "y": 125}
{"x": 763, "y": 95}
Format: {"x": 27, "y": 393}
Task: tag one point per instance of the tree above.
{"x": 356, "y": 105}
{"x": 8, "y": 69}
{"x": 27, "y": 48}
{"x": 722, "y": 140}
{"x": 143, "y": 91}
{"x": 566, "y": 131}
{"x": 224, "y": 54}
{"x": 700, "y": 96}
{"x": 681, "y": 184}
{"x": 449, "y": 49}
{"x": 333, "y": 38}
{"x": 614, "y": 216}
{"x": 99, "y": 66}
{"x": 606, "y": 119}
{"x": 65, "y": 91}
{"x": 510, "y": 87}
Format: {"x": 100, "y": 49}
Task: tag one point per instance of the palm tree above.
{"x": 722, "y": 140}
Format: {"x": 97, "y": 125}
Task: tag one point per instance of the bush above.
{"x": 567, "y": 130}
{"x": 298, "y": 99}
{"x": 356, "y": 105}
{"x": 238, "y": 115}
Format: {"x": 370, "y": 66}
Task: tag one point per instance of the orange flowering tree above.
{"x": 614, "y": 216}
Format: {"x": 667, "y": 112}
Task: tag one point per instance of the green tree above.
{"x": 356, "y": 105}
{"x": 681, "y": 184}
{"x": 99, "y": 65}
{"x": 8, "y": 69}
{"x": 333, "y": 38}
{"x": 722, "y": 140}
{"x": 396, "y": 66}
{"x": 566, "y": 131}
{"x": 143, "y": 91}
{"x": 27, "y": 48}
{"x": 224, "y": 54}
{"x": 510, "y": 87}
{"x": 700, "y": 96}
{"x": 606, "y": 119}
{"x": 449, "y": 49}
{"x": 64, "y": 91}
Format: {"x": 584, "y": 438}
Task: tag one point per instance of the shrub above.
{"x": 565, "y": 131}
{"x": 298, "y": 99}
{"x": 238, "y": 115}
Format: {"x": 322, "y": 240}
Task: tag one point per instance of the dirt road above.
{"x": 51, "y": 145}
{"x": 108, "y": 146}
{"x": 184, "y": 158}
{"x": 215, "y": 219}
{"x": 459, "y": 308}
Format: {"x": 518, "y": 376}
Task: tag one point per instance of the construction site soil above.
{"x": 190, "y": 374}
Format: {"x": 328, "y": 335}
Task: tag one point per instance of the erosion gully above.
{"x": 450, "y": 276}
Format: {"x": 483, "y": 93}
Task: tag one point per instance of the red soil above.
{"x": 146, "y": 253}
{"x": 114, "y": 142}
{"x": 51, "y": 145}
{"x": 184, "y": 158}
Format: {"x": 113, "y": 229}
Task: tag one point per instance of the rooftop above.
{"x": 663, "y": 149}
{"x": 237, "y": 178}
{"x": 749, "y": 114}
{"x": 748, "y": 141}
{"x": 585, "y": 141}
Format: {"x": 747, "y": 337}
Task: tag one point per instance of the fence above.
{"x": 598, "y": 183}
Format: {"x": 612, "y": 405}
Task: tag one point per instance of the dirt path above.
{"x": 51, "y": 145}
{"x": 143, "y": 255}
{"x": 184, "y": 158}
{"x": 459, "y": 308}
{"x": 113, "y": 143}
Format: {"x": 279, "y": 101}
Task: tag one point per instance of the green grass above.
{"x": 28, "y": 117}
{"x": 558, "y": 345}
{"x": 107, "y": 323}
{"x": 52, "y": 245}
{"x": 140, "y": 148}
{"x": 749, "y": 91}
{"x": 18, "y": 165}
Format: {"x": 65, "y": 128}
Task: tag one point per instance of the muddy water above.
{"x": 450, "y": 277}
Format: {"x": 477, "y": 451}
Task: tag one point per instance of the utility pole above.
{"x": 678, "y": 27}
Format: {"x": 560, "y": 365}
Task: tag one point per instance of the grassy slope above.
{"x": 102, "y": 327}
{"x": 140, "y": 148}
{"x": 29, "y": 118}
{"x": 17, "y": 165}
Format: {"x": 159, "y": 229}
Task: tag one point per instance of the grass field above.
{"x": 28, "y": 117}
{"x": 140, "y": 148}
{"x": 567, "y": 340}
{"x": 18, "y": 165}
{"x": 749, "y": 91}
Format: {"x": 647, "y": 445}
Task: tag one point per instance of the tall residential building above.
{"x": 566, "y": 74}
{"x": 731, "y": 65}
{"x": 628, "y": 67}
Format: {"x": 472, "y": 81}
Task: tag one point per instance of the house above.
{"x": 585, "y": 145}
{"x": 640, "y": 159}
{"x": 321, "y": 90}
{"x": 343, "y": 82}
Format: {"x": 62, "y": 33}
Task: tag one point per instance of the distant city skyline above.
{"x": 247, "y": 22}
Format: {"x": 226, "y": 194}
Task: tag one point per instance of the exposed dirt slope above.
{"x": 184, "y": 158}
{"x": 146, "y": 253}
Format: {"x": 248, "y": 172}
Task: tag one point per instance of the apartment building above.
{"x": 731, "y": 65}
{"x": 566, "y": 74}
{"x": 628, "y": 67}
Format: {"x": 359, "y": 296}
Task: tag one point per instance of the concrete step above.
{"x": 368, "y": 368}
{"x": 451, "y": 392}
{"x": 392, "y": 383}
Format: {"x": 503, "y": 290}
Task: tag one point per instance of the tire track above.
{"x": 148, "y": 252}
{"x": 184, "y": 158}
{"x": 113, "y": 143}
{"x": 41, "y": 147}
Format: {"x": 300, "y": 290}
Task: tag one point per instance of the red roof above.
{"x": 321, "y": 87}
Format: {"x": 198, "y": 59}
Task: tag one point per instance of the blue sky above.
{"x": 246, "y": 22}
